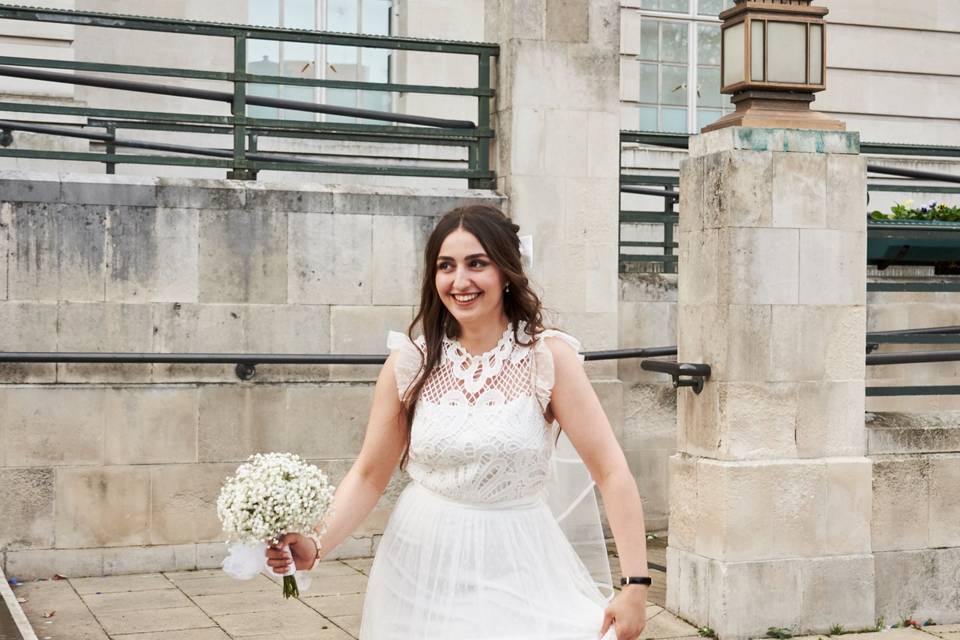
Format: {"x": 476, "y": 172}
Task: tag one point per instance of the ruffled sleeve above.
{"x": 408, "y": 362}
{"x": 543, "y": 363}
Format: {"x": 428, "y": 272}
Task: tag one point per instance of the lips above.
{"x": 465, "y": 299}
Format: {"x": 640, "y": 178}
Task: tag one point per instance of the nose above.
{"x": 461, "y": 279}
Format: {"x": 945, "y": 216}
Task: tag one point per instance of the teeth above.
{"x": 466, "y": 298}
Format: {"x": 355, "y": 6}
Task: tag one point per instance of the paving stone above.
{"x": 72, "y": 619}
{"x": 119, "y": 584}
{"x": 350, "y": 624}
{"x": 667, "y": 625}
{"x": 339, "y": 585}
{"x": 143, "y": 621}
{"x": 246, "y": 602}
{"x": 275, "y": 621}
{"x": 360, "y": 564}
{"x": 340, "y": 605}
{"x": 164, "y": 598}
{"x": 210, "y": 633}
{"x": 224, "y": 584}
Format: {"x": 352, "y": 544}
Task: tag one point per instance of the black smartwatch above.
{"x": 624, "y": 581}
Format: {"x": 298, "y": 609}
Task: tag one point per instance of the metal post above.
{"x": 239, "y": 111}
{"x": 668, "y": 204}
{"x": 111, "y": 167}
{"x": 483, "y": 125}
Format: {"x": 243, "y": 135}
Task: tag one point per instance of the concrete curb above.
{"x": 16, "y": 612}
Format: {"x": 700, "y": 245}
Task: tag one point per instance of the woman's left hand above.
{"x": 628, "y": 612}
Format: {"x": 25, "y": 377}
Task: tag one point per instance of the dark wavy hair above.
{"x": 498, "y": 236}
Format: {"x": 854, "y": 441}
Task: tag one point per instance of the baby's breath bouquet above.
{"x": 270, "y": 495}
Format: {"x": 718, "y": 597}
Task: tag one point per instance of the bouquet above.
{"x": 270, "y": 495}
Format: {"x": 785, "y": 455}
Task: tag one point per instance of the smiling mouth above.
{"x": 465, "y": 298}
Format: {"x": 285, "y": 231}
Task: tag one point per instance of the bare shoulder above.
{"x": 566, "y": 360}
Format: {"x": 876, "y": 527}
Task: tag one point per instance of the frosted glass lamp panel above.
{"x": 787, "y": 52}
{"x": 708, "y": 44}
{"x": 733, "y": 70}
{"x": 816, "y": 54}
{"x": 673, "y": 84}
{"x": 756, "y": 51}
{"x": 649, "y": 91}
{"x": 673, "y": 41}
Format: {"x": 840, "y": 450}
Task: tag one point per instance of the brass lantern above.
{"x": 773, "y": 60}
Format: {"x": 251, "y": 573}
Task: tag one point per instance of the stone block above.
{"x": 817, "y": 342}
{"x": 761, "y": 266}
{"x": 757, "y": 420}
{"x": 747, "y": 190}
{"x": 136, "y": 600}
{"x": 530, "y": 158}
{"x": 603, "y": 148}
{"x": 150, "y": 425}
{"x": 88, "y": 189}
{"x": 288, "y": 329}
{"x": 692, "y": 587}
{"x": 782, "y": 140}
{"x": 918, "y": 583}
{"x": 649, "y": 416}
{"x": 683, "y": 503}
{"x": 846, "y": 192}
{"x": 848, "y": 503}
{"x": 567, "y": 21}
{"x": 799, "y": 183}
{"x": 44, "y": 426}
{"x": 645, "y": 324}
{"x": 901, "y": 516}
{"x": 102, "y": 507}
{"x": 911, "y": 433}
{"x": 161, "y": 621}
{"x": 328, "y": 421}
{"x": 26, "y": 508}
{"x": 698, "y": 420}
{"x": 5, "y": 219}
{"x": 629, "y": 78}
{"x": 363, "y": 330}
{"x": 197, "y": 328}
{"x": 693, "y": 187}
{"x": 184, "y": 503}
{"x": 832, "y": 266}
{"x": 829, "y": 419}
{"x": 57, "y": 252}
{"x": 237, "y": 421}
{"x": 28, "y": 326}
{"x": 31, "y": 564}
{"x": 566, "y": 137}
{"x": 746, "y": 612}
{"x": 699, "y": 254}
{"x": 243, "y": 256}
{"x": 104, "y": 327}
{"x": 23, "y": 186}
{"x": 944, "y": 510}
{"x": 153, "y": 255}
{"x": 330, "y": 259}
{"x": 306, "y": 197}
{"x": 397, "y": 267}
{"x": 180, "y": 193}
{"x": 837, "y": 590}
{"x": 139, "y": 560}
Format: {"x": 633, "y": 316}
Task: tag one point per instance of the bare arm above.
{"x": 576, "y": 406}
{"x": 358, "y": 492}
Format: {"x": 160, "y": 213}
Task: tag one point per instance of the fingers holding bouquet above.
{"x": 293, "y": 549}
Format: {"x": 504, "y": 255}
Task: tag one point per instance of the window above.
{"x": 298, "y": 59}
{"x": 679, "y": 49}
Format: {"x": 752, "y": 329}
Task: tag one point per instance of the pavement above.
{"x": 209, "y": 605}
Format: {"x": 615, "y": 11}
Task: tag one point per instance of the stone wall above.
{"x": 115, "y": 468}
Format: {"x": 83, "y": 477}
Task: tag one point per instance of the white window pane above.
{"x": 342, "y": 16}
{"x": 266, "y": 90}
{"x": 376, "y": 101}
{"x": 786, "y": 55}
{"x": 707, "y": 116}
{"x": 682, "y": 6}
{"x": 708, "y": 44}
{"x": 376, "y": 17}
{"x": 263, "y": 57}
{"x": 301, "y": 94}
{"x": 648, "y": 83}
{"x": 733, "y": 44}
{"x": 648, "y": 119}
{"x": 376, "y": 65}
{"x": 649, "y": 39}
{"x": 709, "y": 7}
{"x": 299, "y": 60}
{"x": 265, "y": 13}
{"x": 756, "y": 50}
{"x": 674, "y": 120}
{"x": 299, "y": 14}
{"x": 673, "y": 84}
{"x": 341, "y": 98}
{"x": 816, "y": 54}
{"x": 709, "y": 86}
{"x": 673, "y": 41}
{"x": 341, "y": 63}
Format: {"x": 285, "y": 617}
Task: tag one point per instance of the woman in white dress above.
{"x": 472, "y": 551}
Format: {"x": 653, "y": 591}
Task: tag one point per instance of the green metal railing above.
{"x": 244, "y": 160}
{"x": 663, "y": 258}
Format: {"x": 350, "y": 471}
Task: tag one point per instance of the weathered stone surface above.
{"x": 121, "y": 560}
{"x": 746, "y": 256}
{"x": 183, "y": 503}
{"x": 30, "y": 564}
{"x": 920, "y": 582}
{"x": 154, "y": 620}
{"x": 5, "y": 219}
{"x": 288, "y": 329}
{"x": 150, "y": 425}
{"x": 799, "y": 190}
{"x": 238, "y": 421}
{"x": 57, "y": 252}
{"x": 913, "y": 432}
{"x": 243, "y": 256}
{"x": 832, "y": 266}
{"x": 102, "y": 506}
{"x": 901, "y": 486}
{"x": 944, "y": 478}
{"x": 330, "y": 259}
{"x": 327, "y": 421}
{"x": 45, "y": 426}
{"x": 165, "y": 598}
{"x": 200, "y": 194}
{"x": 306, "y": 197}
{"x": 26, "y": 508}
{"x": 72, "y": 618}
{"x": 397, "y": 264}
{"x": 27, "y": 326}
{"x": 153, "y": 255}
{"x": 197, "y": 328}
{"x": 782, "y": 140}
{"x": 91, "y": 189}
{"x": 29, "y": 186}
{"x": 107, "y": 327}
{"x": 567, "y": 21}
{"x": 376, "y": 322}
{"x": 846, "y": 195}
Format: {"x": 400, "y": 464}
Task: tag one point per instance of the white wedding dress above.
{"x": 493, "y": 537}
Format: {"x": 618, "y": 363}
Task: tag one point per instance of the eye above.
{"x": 442, "y": 266}
{"x": 477, "y": 263}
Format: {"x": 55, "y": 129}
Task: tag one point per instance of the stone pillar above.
{"x": 770, "y": 489}
{"x": 557, "y": 152}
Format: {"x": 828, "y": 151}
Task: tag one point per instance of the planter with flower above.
{"x": 915, "y": 236}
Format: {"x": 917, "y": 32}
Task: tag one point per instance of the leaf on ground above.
{"x": 59, "y": 576}
{"x": 49, "y": 614}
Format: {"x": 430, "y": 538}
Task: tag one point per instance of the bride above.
{"x": 470, "y": 409}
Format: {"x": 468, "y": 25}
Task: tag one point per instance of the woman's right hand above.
{"x": 301, "y": 548}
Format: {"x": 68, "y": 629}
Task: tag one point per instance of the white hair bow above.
{"x": 526, "y": 250}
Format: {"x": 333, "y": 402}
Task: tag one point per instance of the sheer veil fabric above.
{"x": 498, "y": 534}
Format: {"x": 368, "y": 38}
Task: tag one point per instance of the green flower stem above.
{"x": 290, "y": 588}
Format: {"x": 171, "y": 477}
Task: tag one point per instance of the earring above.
{"x": 506, "y": 289}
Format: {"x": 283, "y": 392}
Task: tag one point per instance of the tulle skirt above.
{"x": 447, "y": 570}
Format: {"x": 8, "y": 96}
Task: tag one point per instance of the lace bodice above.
{"x": 479, "y": 434}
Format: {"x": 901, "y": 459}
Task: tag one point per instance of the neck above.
{"x": 479, "y": 338}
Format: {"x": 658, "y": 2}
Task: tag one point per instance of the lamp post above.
{"x": 773, "y": 60}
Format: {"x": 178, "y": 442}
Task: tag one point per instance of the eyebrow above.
{"x": 470, "y": 257}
